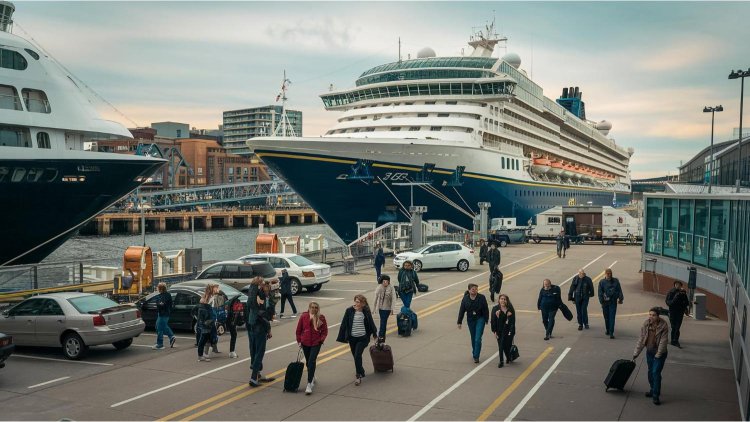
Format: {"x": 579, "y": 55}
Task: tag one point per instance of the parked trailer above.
{"x": 591, "y": 223}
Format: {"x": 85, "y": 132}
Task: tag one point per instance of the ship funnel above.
{"x": 565, "y": 93}
{"x": 575, "y": 94}
{"x": 6, "y": 15}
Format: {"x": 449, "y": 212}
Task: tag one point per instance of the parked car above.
{"x": 503, "y": 237}
{"x": 6, "y": 348}
{"x": 184, "y": 298}
{"x": 239, "y": 274}
{"x": 74, "y": 321}
{"x": 303, "y": 272}
{"x": 438, "y": 255}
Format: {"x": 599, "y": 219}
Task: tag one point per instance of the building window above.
{"x": 42, "y": 140}
{"x": 10, "y": 59}
{"x": 15, "y": 136}
{"x": 179, "y": 133}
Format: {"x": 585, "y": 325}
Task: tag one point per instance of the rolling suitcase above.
{"x": 293, "y": 376}
{"x": 382, "y": 356}
{"x": 619, "y": 374}
{"x": 566, "y": 312}
{"x": 422, "y": 288}
{"x": 403, "y": 323}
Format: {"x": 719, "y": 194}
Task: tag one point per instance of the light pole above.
{"x": 713, "y": 111}
{"x": 740, "y": 74}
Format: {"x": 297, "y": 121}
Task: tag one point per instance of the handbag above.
{"x": 514, "y": 353}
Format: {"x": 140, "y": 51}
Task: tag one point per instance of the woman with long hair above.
{"x": 204, "y": 323}
{"x": 385, "y": 295}
{"x": 357, "y": 327}
{"x": 312, "y": 331}
{"x": 503, "y": 324}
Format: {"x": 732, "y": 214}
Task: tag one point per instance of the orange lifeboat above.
{"x": 556, "y": 167}
{"x": 540, "y": 165}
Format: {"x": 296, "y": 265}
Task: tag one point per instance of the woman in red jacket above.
{"x": 312, "y": 330}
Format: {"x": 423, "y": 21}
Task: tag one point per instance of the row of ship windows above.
{"x": 510, "y": 163}
{"x": 35, "y": 99}
{"x": 399, "y": 128}
{"x": 420, "y": 115}
{"x": 10, "y": 59}
{"x": 558, "y": 194}
{"x": 418, "y": 89}
{"x": 17, "y": 136}
{"x": 418, "y": 102}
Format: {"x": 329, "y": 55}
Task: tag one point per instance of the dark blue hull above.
{"x": 323, "y": 183}
{"x": 44, "y": 201}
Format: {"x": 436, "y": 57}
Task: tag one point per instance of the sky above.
{"x": 647, "y": 67}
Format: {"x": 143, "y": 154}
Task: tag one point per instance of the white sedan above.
{"x": 303, "y": 272}
{"x": 438, "y": 255}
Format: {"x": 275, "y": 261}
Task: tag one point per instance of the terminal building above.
{"x": 727, "y": 168}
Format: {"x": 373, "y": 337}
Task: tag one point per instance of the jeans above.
{"x": 311, "y": 355}
{"x": 655, "y": 365}
{"x": 232, "y": 336}
{"x": 384, "y": 315}
{"x": 503, "y": 345}
{"x": 284, "y": 298}
{"x": 582, "y": 311}
{"x": 476, "y": 330}
{"x": 377, "y": 271}
{"x": 202, "y": 340}
{"x": 358, "y": 346}
{"x": 675, "y": 320}
{"x": 548, "y": 319}
{"x": 406, "y": 299}
{"x": 162, "y": 328}
{"x": 609, "y": 309}
{"x": 257, "y": 337}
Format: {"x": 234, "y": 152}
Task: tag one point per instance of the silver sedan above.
{"x": 74, "y": 321}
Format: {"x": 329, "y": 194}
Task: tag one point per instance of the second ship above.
{"x": 448, "y": 133}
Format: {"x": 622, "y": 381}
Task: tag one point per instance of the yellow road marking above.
{"x": 336, "y": 351}
{"x": 508, "y": 391}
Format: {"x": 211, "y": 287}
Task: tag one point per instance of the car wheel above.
{"x": 296, "y": 286}
{"x": 536, "y": 239}
{"x": 503, "y": 243}
{"x": 73, "y": 346}
{"x": 123, "y": 344}
{"x": 417, "y": 265}
{"x": 463, "y": 265}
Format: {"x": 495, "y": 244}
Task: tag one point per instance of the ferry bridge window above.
{"x": 15, "y": 136}
{"x": 9, "y": 98}
{"x": 35, "y": 100}
{"x": 42, "y": 140}
{"x": 10, "y": 59}
{"x": 32, "y": 53}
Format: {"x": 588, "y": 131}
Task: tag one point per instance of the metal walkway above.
{"x": 216, "y": 194}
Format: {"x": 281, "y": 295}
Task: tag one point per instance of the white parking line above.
{"x": 346, "y": 290}
{"x": 531, "y": 393}
{"x": 325, "y": 298}
{"x": 61, "y": 360}
{"x": 445, "y": 393}
{"x": 182, "y": 337}
{"x": 47, "y": 382}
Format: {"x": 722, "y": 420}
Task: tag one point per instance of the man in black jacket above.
{"x": 285, "y": 284}
{"x": 493, "y": 257}
{"x": 548, "y": 303}
{"x": 610, "y": 295}
{"x": 678, "y": 303}
{"x": 581, "y": 289}
{"x": 474, "y": 305}
{"x": 482, "y": 251}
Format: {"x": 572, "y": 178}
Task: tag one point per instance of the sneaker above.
{"x": 157, "y": 347}
{"x": 281, "y": 316}
{"x": 657, "y": 401}
{"x": 201, "y": 358}
{"x": 580, "y": 327}
{"x": 500, "y": 365}
{"x": 308, "y": 389}
{"x": 476, "y": 360}
{"x": 294, "y": 315}
{"x": 207, "y": 355}
{"x": 216, "y": 349}
{"x": 232, "y": 355}
{"x": 546, "y": 337}
{"x": 612, "y": 336}
{"x": 358, "y": 381}
{"x": 649, "y": 394}
{"x": 266, "y": 379}
{"x": 253, "y": 383}
{"x": 586, "y": 327}
{"x": 172, "y": 341}
{"x": 312, "y": 383}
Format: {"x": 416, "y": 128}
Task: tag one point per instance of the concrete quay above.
{"x": 435, "y": 377}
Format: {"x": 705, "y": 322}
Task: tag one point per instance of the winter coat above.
{"x": 379, "y": 257}
{"x": 581, "y": 288}
{"x": 345, "y": 329}
{"x": 205, "y": 316}
{"x": 610, "y": 290}
{"x": 474, "y": 309}
{"x": 384, "y": 297}
{"x": 549, "y": 299}
{"x": 662, "y": 334}
{"x": 285, "y": 284}
{"x": 493, "y": 257}
{"x": 503, "y": 325}
{"x": 164, "y": 304}
{"x": 677, "y": 300}
{"x": 254, "y": 310}
{"x": 496, "y": 281}
{"x": 307, "y": 335}
{"x": 408, "y": 280}
{"x": 483, "y": 251}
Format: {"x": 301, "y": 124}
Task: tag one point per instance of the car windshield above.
{"x": 86, "y": 304}
{"x": 301, "y": 260}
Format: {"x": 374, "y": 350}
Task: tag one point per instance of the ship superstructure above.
{"x": 448, "y": 132}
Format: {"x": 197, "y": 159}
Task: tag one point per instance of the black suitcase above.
{"x": 382, "y": 357}
{"x": 566, "y": 312}
{"x": 293, "y": 376}
{"x": 422, "y": 287}
{"x": 619, "y": 374}
{"x": 403, "y": 323}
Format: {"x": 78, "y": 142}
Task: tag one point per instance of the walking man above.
{"x": 581, "y": 289}
{"x": 654, "y": 338}
{"x": 258, "y": 330}
{"x": 378, "y": 260}
{"x": 482, "y": 251}
{"x": 474, "y": 305}
{"x": 610, "y": 294}
{"x": 679, "y": 304}
{"x": 493, "y": 257}
{"x": 548, "y": 302}
{"x": 560, "y": 242}
{"x": 163, "y": 310}
{"x": 285, "y": 283}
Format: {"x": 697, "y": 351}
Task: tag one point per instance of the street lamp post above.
{"x": 713, "y": 111}
{"x": 740, "y": 74}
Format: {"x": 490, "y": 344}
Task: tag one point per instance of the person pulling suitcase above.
{"x": 654, "y": 335}
{"x": 312, "y": 331}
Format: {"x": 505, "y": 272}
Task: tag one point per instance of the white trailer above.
{"x": 587, "y": 223}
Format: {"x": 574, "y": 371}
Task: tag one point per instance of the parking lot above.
{"x": 435, "y": 377}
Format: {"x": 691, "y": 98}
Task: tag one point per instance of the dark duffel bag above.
{"x": 513, "y": 353}
{"x": 403, "y": 323}
{"x": 422, "y": 288}
{"x": 293, "y": 376}
{"x": 382, "y": 356}
{"x": 619, "y": 374}
{"x": 566, "y": 312}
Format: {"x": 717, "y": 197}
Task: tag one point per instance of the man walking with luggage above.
{"x": 678, "y": 303}
{"x": 493, "y": 257}
{"x": 610, "y": 294}
{"x": 653, "y": 337}
{"x": 474, "y": 305}
{"x": 581, "y": 289}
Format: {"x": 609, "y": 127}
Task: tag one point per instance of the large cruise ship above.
{"x": 49, "y": 185}
{"x": 448, "y": 133}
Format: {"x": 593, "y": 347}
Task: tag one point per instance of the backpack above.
{"x": 238, "y": 313}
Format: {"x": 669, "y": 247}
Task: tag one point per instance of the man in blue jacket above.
{"x": 610, "y": 294}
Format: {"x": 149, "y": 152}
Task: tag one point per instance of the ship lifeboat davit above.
{"x": 568, "y": 170}
{"x": 540, "y": 165}
{"x": 556, "y": 167}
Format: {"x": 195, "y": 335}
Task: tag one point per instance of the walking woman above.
{"x": 474, "y": 305}
{"x": 205, "y": 322}
{"x": 163, "y": 310}
{"x": 503, "y": 324}
{"x": 218, "y": 298}
{"x": 356, "y": 328}
{"x": 235, "y": 318}
{"x": 408, "y": 280}
{"x": 548, "y": 302}
{"x": 384, "y": 297}
{"x": 312, "y": 331}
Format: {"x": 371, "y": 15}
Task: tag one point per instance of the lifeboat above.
{"x": 568, "y": 170}
{"x": 556, "y": 167}
{"x": 540, "y": 165}
{"x": 586, "y": 174}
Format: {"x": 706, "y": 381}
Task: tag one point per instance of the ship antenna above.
{"x": 399, "y": 49}
{"x": 284, "y": 125}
